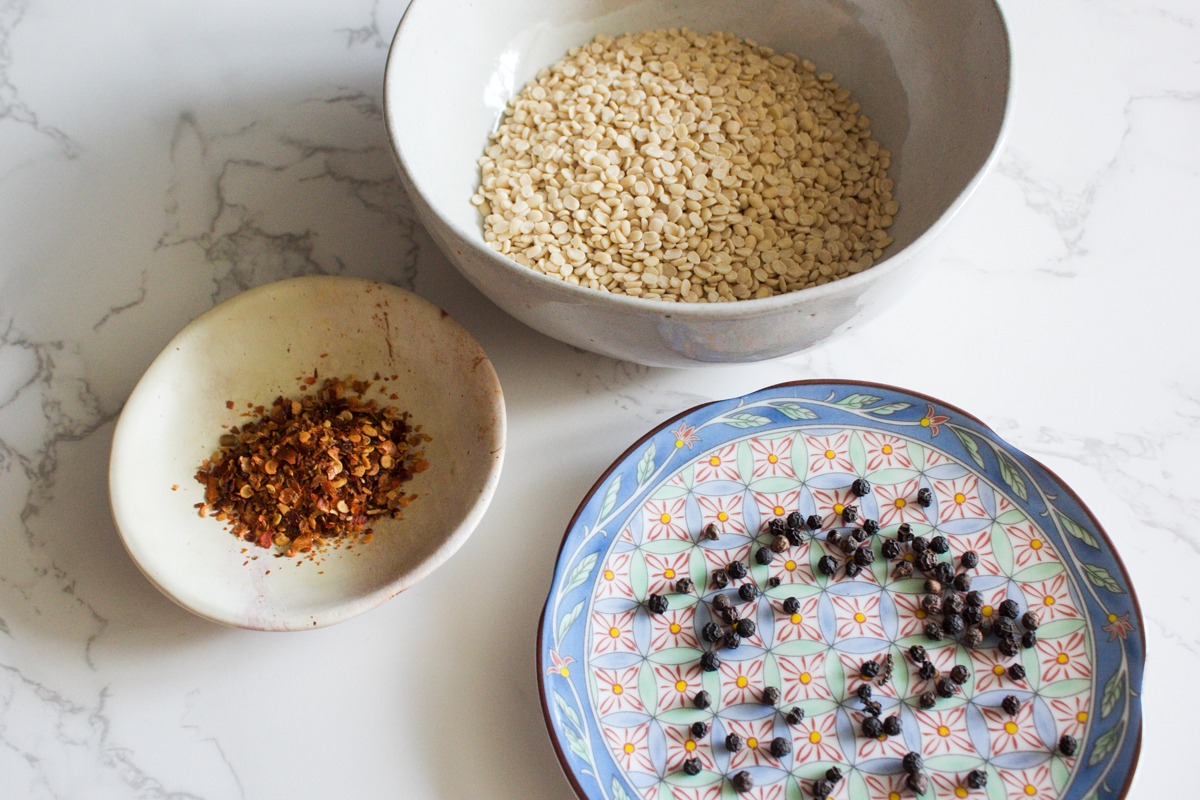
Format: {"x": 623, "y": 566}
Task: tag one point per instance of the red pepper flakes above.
{"x": 311, "y": 472}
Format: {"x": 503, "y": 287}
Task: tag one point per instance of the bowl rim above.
{"x": 700, "y": 311}
{"x": 347, "y": 607}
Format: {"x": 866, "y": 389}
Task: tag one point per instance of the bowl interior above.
{"x": 932, "y": 75}
{"x": 254, "y": 348}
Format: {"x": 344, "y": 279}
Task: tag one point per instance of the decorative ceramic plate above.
{"x": 618, "y": 682}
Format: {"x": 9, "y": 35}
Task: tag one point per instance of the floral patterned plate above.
{"x": 618, "y": 682}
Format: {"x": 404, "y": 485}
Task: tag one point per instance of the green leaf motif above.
{"x": 972, "y": 447}
{"x": 580, "y": 573}
{"x": 1011, "y": 474}
{"x": 887, "y": 409}
{"x": 1113, "y": 691}
{"x": 1099, "y": 576}
{"x": 858, "y": 400}
{"x": 794, "y": 411}
{"x": 566, "y": 709}
{"x": 1106, "y": 744}
{"x": 746, "y": 420}
{"x": 567, "y": 621}
{"x": 1078, "y": 531}
{"x": 577, "y": 746}
{"x": 610, "y": 498}
{"x": 618, "y": 792}
{"x": 646, "y": 465}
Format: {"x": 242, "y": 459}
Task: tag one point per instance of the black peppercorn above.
{"x": 939, "y": 545}
{"x": 699, "y": 728}
{"x": 710, "y": 661}
{"x": 849, "y": 514}
{"x": 731, "y": 641}
{"x": 953, "y": 604}
{"x": 919, "y": 544}
{"x": 917, "y": 654}
{"x": 780, "y": 747}
{"x": 748, "y": 592}
{"x": 711, "y": 632}
{"x": 931, "y": 604}
{"x": 1010, "y": 609}
{"x": 742, "y": 782}
{"x": 893, "y": 726}
{"x": 933, "y": 631}
{"x": 933, "y": 586}
{"x": 657, "y": 604}
{"x": 728, "y": 615}
{"x": 1029, "y": 639}
{"x": 773, "y": 581}
{"x": 858, "y": 535}
{"x": 872, "y": 727}
{"x": 1005, "y": 628}
{"x": 691, "y": 766}
{"x": 745, "y": 627}
{"x": 791, "y": 606}
{"x": 794, "y": 716}
{"x": 863, "y": 691}
{"x": 861, "y": 487}
{"x": 792, "y": 537}
{"x": 1016, "y": 672}
{"x": 960, "y": 674}
{"x": 869, "y": 670}
{"x": 821, "y": 789}
{"x": 720, "y": 578}
{"x": 962, "y": 582}
{"x": 794, "y": 521}
{"x": 870, "y": 527}
{"x": 927, "y": 671}
{"x": 969, "y": 559}
{"x": 779, "y": 544}
{"x": 1011, "y": 705}
{"x": 924, "y": 498}
{"x": 904, "y": 533}
{"x": 710, "y": 531}
{"x": 873, "y": 707}
{"x": 702, "y": 700}
{"x": 770, "y": 696}
{"x": 977, "y": 779}
{"x": 733, "y": 742}
{"x": 684, "y": 585}
{"x": 776, "y": 526}
{"x": 903, "y": 570}
{"x": 764, "y": 556}
{"x": 927, "y": 700}
{"x": 917, "y": 782}
{"x": 944, "y": 573}
{"x": 834, "y": 538}
{"x": 975, "y": 599}
{"x": 946, "y": 687}
{"x": 813, "y": 523}
{"x": 736, "y": 570}
{"x": 972, "y": 615}
{"x": 833, "y": 774}
{"x": 971, "y": 637}
{"x": 952, "y": 625}
{"x": 912, "y": 762}
{"x": 890, "y": 549}
{"x": 1030, "y": 620}
{"x": 853, "y": 570}
{"x": 721, "y": 602}
{"x": 1067, "y": 745}
{"x": 985, "y": 626}
{"x": 926, "y": 561}
{"x": 864, "y": 556}
{"x": 827, "y": 565}
{"x": 1008, "y": 647}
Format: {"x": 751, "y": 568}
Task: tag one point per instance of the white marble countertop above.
{"x": 158, "y": 158}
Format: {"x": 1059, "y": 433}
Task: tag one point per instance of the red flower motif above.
{"x": 665, "y": 570}
{"x": 990, "y": 669}
{"x": 613, "y": 633}
{"x": 885, "y": 451}
{"x": 719, "y": 559}
{"x": 951, "y": 786}
{"x": 614, "y": 580}
{"x": 1012, "y": 734}
{"x": 772, "y": 458}
{"x": 1071, "y": 714}
{"x": 885, "y": 787}
{"x": 630, "y": 747}
{"x": 1064, "y": 658}
{"x": 802, "y": 678}
{"x": 682, "y": 746}
{"x": 1051, "y": 599}
{"x": 830, "y": 504}
{"x": 829, "y": 453}
{"x": 776, "y": 504}
{"x": 1118, "y": 626}
{"x": 943, "y": 659}
{"x": 723, "y": 511}
{"x": 618, "y": 690}
{"x": 677, "y": 685}
{"x": 858, "y": 617}
{"x": 816, "y": 739}
{"x": 772, "y": 791}
{"x": 883, "y": 746}
{"x": 981, "y": 543}
{"x": 793, "y": 566}
{"x": 718, "y": 465}
{"x": 1029, "y": 544}
{"x": 757, "y": 735}
{"x": 673, "y": 629}
{"x": 959, "y": 499}
{"x": 741, "y": 682}
{"x": 664, "y": 519}
{"x": 712, "y": 792}
{"x": 932, "y": 421}
{"x": 852, "y": 669}
{"x": 685, "y": 435}
{"x": 1030, "y": 784}
{"x": 945, "y": 732}
{"x": 910, "y": 616}
{"x": 801, "y": 625}
{"x": 898, "y": 503}
{"x": 560, "y": 665}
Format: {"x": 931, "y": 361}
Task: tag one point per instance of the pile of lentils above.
{"x": 673, "y": 166}
{"x": 948, "y": 597}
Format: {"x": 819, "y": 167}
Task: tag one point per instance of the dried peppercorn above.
{"x": 776, "y": 526}
{"x": 731, "y": 641}
{"x": 685, "y": 585}
{"x": 985, "y": 626}
{"x": 813, "y": 523}
{"x": 1009, "y": 609}
{"x": 849, "y": 514}
{"x": 872, "y": 727}
{"x": 853, "y": 570}
{"x": 773, "y": 581}
{"x": 764, "y": 556}
{"x": 864, "y": 556}
{"x": 848, "y": 544}
{"x": 919, "y": 544}
{"x": 975, "y": 599}
{"x": 977, "y": 779}
{"x": 933, "y": 632}
{"x": 833, "y": 774}
{"x": 904, "y": 533}
{"x": 699, "y": 728}
{"x": 927, "y": 671}
{"x": 946, "y": 687}
{"x": 657, "y": 604}
{"x": 971, "y": 637}
{"x": 893, "y": 726}
{"x": 890, "y": 549}
{"x": 1029, "y": 639}
{"x": 1008, "y": 647}
{"x": 859, "y": 535}
{"x": 917, "y": 654}
{"x": 770, "y": 696}
{"x": 872, "y": 707}
{"x": 780, "y": 747}
{"x": 1005, "y": 628}
{"x": 926, "y": 561}
{"x": 869, "y": 670}
{"x": 903, "y": 570}
{"x": 1011, "y": 705}
{"x": 702, "y": 699}
{"x": 939, "y": 545}
{"x": 710, "y": 531}
{"x": 870, "y": 527}
{"x": 780, "y": 544}
{"x": 827, "y": 565}
{"x": 953, "y": 604}
{"x": 917, "y": 782}
{"x": 691, "y": 766}
{"x": 861, "y": 487}
{"x": 960, "y": 674}
{"x": 933, "y": 586}
{"x": 1016, "y": 672}
{"x": 834, "y": 538}
{"x": 972, "y": 615}
{"x": 962, "y": 582}
{"x": 924, "y": 498}
{"x": 821, "y": 789}
{"x": 792, "y": 537}
{"x": 952, "y": 625}
{"x": 711, "y": 632}
{"x": 720, "y": 578}
{"x": 944, "y": 573}
{"x": 927, "y": 700}
{"x": 721, "y": 602}
{"x": 791, "y": 606}
{"x": 1067, "y": 745}
{"x": 794, "y": 716}
{"x": 736, "y": 570}
{"x": 863, "y": 692}
{"x": 1030, "y": 620}
{"x": 710, "y": 661}
{"x": 794, "y": 521}
{"x": 734, "y": 742}
{"x": 912, "y": 762}
{"x": 969, "y": 559}
{"x": 728, "y": 615}
{"x": 748, "y": 592}
{"x": 742, "y": 782}
{"x": 931, "y": 604}
{"x": 745, "y": 627}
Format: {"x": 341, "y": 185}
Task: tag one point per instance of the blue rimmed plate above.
{"x": 619, "y": 683}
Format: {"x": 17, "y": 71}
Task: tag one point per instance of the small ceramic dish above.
{"x": 619, "y": 683}
{"x": 254, "y": 348}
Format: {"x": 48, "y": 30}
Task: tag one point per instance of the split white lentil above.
{"x": 674, "y": 166}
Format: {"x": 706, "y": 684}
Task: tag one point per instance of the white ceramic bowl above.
{"x": 932, "y": 75}
{"x": 251, "y": 349}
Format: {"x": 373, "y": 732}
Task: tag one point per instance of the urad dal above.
{"x": 673, "y": 166}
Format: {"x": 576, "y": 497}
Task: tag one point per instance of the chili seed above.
{"x": 1016, "y": 672}
{"x": 939, "y": 545}
{"x": 765, "y": 555}
{"x": 827, "y": 566}
{"x": 699, "y": 729}
{"x": 1029, "y": 639}
{"x": 770, "y": 696}
{"x": 872, "y": 727}
{"x": 710, "y": 531}
{"x": 745, "y": 627}
{"x": 849, "y": 514}
{"x": 780, "y": 747}
{"x": 869, "y": 670}
{"x": 917, "y": 654}
{"x": 736, "y": 570}
{"x": 861, "y": 487}
{"x": 710, "y": 661}
{"x": 928, "y": 700}
{"x": 960, "y": 674}
{"x": 933, "y": 631}
{"x": 917, "y": 782}
{"x": 691, "y": 766}
{"x": 1009, "y": 609}
{"x": 1030, "y": 620}
{"x": 904, "y": 533}
{"x": 962, "y": 582}
{"x": 833, "y": 774}
{"x": 977, "y": 779}
{"x": 702, "y": 700}
{"x": 684, "y": 585}
{"x": 657, "y": 604}
{"x": 927, "y": 671}
{"x": 734, "y": 742}
{"x": 794, "y": 716}
{"x": 924, "y": 498}
{"x": 813, "y": 523}
{"x": 748, "y": 592}
{"x": 893, "y": 726}
{"x": 1067, "y": 745}
{"x": 731, "y": 641}
{"x": 969, "y": 559}
{"x": 946, "y": 687}
{"x": 890, "y": 549}
{"x": 742, "y": 782}
{"x": 1011, "y": 705}
{"x": 791, "y": 606}
{"x": 720, "y": 578}
{"x": 912, "y": 762}
{"x": 944, "y": 573}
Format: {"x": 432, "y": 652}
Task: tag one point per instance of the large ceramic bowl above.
{"x": 261, "y": 345}
{"x": 934, "y": 76}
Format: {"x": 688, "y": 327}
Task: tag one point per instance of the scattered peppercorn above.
{"x": 960, "y": 674}
{"x": 742, "y": 782}
{"x": 1005, "y": 628}
{"x": 904, "y": 533}
{"x": 917, "y": 654}
{"x": 969, "y": 559}
{"x": 748, "y": 592}
{"x": 702, "y": 699}
{"x": 890, "y": 549}
{"x": 1011, "y": 705}
{"x": 975, "y": 599}
{"x": 931, "y": 604}
{"x": 710, "y": 661}
{"x": 873, "y": 707}
{"x": 861, "y": 487}
{"x": 864, "y": 556}
{"x": 939, "y": 545}
{"x": 849, "y": 514}
{"x": 933, "y": 631}
{"x": 770, "y": 696}
{"x": 794, "y": 716}
{"x": 953, "y": 604}
{"x": 926, "y": 561}
{"x": 1029, "y": 639}
{"x": 745, "y": 628}
{"x": 977, "y": 779}
{"x": 1008, "y": 647}
{"x": 912, "y": 762}
{"x": 946, "y": 687}
{"x": 657, "y": 604}
{"x": 776, "y": 526}
{"x": 773, "y": 581}
{"x": 780, "y": 747}
{"x": 1016, "y": 672}
{"x": 927, "y": 671}
{"x": 869, "y": 669}
{"x": 780, "y": 544}
{"x": 736, "y": 570}
{"x": 710, "y": 531}
{"x": 791, "y": 606}
{"x": 962, "y": 582}
{"x": 870, "y": 527}
{"x": 792, "y": 537}
{"x": 732, "y": 641}
{"x": 833, "y": 774}
{"x": 794, "y": 521}
{"x": 924, "y": 498}
{"x": 1009, "y": 608}
{"x": 699, "y": 728}
{"x": 684, "y": 585}
{"x": 863, "y": 692}
{"x": 711, "y": 632}
{"x": 821, "y": 789}
{"x": 827, "y": 566}
{"x": 972, "y": 615}
{"x": 927, "y": 700}
{"x": 917, "y": 782}
{"x": 944, "y": 573}
{"x": 872, "y": 727}
{"x": 903, "y": 570}
{"x": 813, "y": 523}
{"x": 691, "y": 766}
{"x": 853, "y": 570}
{"x": 833, "y": 538}
{"x": 893, "y": 726}
{"x": 728, "y": 615}
{"x": 952, "y": 625}
{"x": 720, "y": 578}
{"x": 1067, "y": 745}
{"x": 733, "y": 742}
{"x": 971, "y": 637}
{"x": 1030, "y": 620}
{"x": 919, "y": 544}
{"x": 985, "y": 626}
{"x": 765, "y": 555}
{"x": 859, "y": 535}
